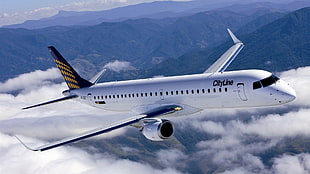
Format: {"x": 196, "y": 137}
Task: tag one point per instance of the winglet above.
{"x": 233, "y": 37}
{"x": 225, "y": 60}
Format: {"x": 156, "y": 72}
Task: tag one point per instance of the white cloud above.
{"x": 171, "y": 158}
{"x": 15, "y": 159}
{"x": 298, "y": 79}
{"x": 118, "y": 66}
{"x": 30, "y": 80}
{"x": 287, "y": 164}
{"x": 234, "y": 143}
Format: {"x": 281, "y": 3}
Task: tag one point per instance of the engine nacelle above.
{"x": 158, "y": 130}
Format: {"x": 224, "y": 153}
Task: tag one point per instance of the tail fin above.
{"x": 72, "y": 78}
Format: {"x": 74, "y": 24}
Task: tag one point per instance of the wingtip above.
{"x": 233, "y": 37}
{"x": 27, "y": 147}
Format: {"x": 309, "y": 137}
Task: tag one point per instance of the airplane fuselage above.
{"x": 234, "y": 89}
{"x": 170, "y": 96}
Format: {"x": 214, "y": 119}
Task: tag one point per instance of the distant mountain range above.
{"x": 153, "y": 46}
{"x": 143, "y": 42}
{"x": 154, "y": 10}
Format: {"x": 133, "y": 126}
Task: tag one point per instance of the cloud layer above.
{"x": 230, "y": 141}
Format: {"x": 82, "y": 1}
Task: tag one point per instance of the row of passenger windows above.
{"x": 166, "y": 93}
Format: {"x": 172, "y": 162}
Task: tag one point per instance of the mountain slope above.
{"x": 140, "y": 42}
{"x": 155, "y": 10}
{"x": 281, "y": 45}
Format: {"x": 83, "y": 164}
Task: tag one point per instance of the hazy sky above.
{"x": 16, "y": 11}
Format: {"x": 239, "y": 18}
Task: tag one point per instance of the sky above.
{"x": 16, "y": 11}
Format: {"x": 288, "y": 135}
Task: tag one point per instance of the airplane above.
{"x": 155, "y": 99}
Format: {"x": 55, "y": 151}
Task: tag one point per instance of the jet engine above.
{"x": 158, "y": 130}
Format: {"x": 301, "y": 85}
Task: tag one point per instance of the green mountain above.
{"x": 143, "y": 42}
{"x": 281, "y": 45}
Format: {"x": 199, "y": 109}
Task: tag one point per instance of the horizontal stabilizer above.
{"x": 52, "y": 101}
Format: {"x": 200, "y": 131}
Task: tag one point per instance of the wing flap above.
{"x": 225, "y": 60}
{"x": 163, "y": 110}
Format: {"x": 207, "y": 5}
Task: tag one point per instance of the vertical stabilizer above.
{"x": 72, "y": 78}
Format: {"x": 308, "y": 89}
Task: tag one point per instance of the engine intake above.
{"x": 158, "y": 130}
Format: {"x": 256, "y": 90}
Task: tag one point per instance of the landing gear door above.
{"x": 241, "y": 92}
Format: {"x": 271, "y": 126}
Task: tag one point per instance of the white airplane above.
{"x": 155, "y": 98}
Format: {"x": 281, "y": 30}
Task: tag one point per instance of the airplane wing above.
{"x": 225, "y": 60}
{"x": 163, "y": 110}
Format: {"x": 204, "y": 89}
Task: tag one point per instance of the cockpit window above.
{"x": 269, "y": 81}
{"x": 257, "y": 85}
{"x": 265, "y": 82}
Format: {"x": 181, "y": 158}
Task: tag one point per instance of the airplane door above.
{"x": 89, "y": 98}
{"x": 241, "y": 92}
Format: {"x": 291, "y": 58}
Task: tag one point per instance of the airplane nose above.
{"x": 288, "y": 94}
{"x": 291, "y": 95}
